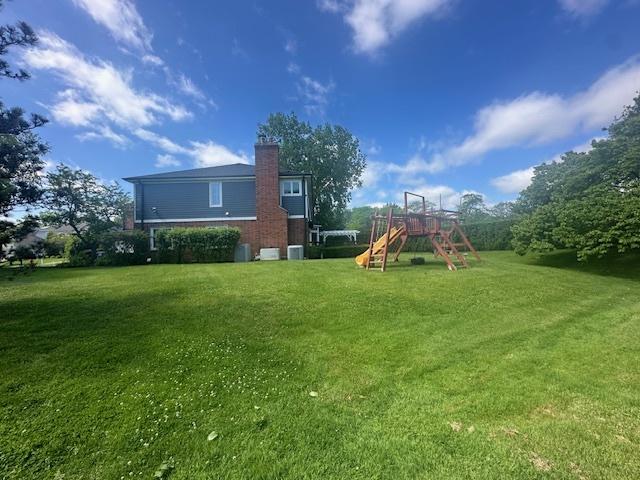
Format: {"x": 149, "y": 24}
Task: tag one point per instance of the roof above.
{"x": 232, "y": 170}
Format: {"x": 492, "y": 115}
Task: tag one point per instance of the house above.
{"x": 272, "y": 208}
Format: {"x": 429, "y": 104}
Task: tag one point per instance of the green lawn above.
{"x": 514, "y": 368}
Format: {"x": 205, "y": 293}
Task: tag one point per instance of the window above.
{"x": 215, "y": 194}
{"x": 291, "y": 188}
{"x": 152, "y": 237}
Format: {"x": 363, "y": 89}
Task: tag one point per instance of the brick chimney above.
{"x": 271, "y": 218}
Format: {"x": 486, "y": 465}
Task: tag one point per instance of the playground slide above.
{"x": 379, "y": 245}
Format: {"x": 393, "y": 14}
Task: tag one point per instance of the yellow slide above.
{"x": 379, "y": 245}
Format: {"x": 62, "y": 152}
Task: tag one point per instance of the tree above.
{"x": 15, "y": 232}
{"x": 588, "y": 201}
{"x": 21, "y": 161}
{"x": 359, "y": 218}
{"x": 19, "y": 35}
{"x": 21, "y": 150}
{"x": 416, "y": 206}
{"x": 330, "y": 152}
{"x": 78, "y": 199}
{"x": 502, "y": 211}
{"x": 472, "y": 208}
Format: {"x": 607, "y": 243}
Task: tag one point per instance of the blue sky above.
{"x": 446, "y": 96}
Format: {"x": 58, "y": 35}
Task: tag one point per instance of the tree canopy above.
{"x": 78, "y": 199}
{"x": 587, "y": 201}
{"x": 21, "y": 150}
{"x": 330, "y": 152}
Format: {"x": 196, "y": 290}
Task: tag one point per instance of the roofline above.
{"x": 154, "y": 178}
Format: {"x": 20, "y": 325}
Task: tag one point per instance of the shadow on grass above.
{"x": 625, "y": 266}
{"x": 431, "y": 263}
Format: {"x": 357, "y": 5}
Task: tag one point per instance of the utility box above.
{"x": 269, "y": 254}
{"x": 242, "y": 253}
{"x": 295, "y": 252}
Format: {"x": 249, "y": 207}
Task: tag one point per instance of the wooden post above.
{"x": 465, "y": 240}
{"x": 386, "y": 242}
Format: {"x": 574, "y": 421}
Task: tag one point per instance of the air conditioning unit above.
{"x": 295, "y": 252}
{"x": 269, "y": 254}
{"x": 242, "y": 253}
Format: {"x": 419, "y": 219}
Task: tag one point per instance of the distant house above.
{"x": 272, "y": 208}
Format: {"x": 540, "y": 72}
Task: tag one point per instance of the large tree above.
{"x": 21, "y": 150}
{"x": 78, "y": 199}
{"x": 330, "y": 152}
{"x": 21, "y": 164}
{"x": 588, "y": 201}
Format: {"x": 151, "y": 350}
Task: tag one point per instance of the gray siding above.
{"x": 184, "y": 200}
{"x": 294, "y": 205}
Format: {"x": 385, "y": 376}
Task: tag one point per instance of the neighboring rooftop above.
{"x": 232, "y": 170}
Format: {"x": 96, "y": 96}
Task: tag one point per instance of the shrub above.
{"x": 490, "y": 235}
{"x": 129, "y": 247}
{"x": 54, "y": 244}
{"x": 77, "y": 253}
{"x": 199, "y": 245}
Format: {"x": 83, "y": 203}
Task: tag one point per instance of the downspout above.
{"x": 141, "y": 206}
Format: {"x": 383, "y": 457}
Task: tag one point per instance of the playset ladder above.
{"x": 378, "y": 261}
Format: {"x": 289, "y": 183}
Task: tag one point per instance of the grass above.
{"x": 515, "y": 368}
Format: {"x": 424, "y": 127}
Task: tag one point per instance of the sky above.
{"x": 446, "y": 96}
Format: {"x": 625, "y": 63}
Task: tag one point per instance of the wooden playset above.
{"x": 439, "y": 226}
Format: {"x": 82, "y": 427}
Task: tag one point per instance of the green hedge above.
{"x": 342, "y": 251}
{"x": 197, "y": 245}
{"x": 490, "y": 235}
{"x": 129, "y": 247}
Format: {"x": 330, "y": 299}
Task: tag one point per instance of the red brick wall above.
{"x": 298, "y": 231}
{"x": 271, "y": 218}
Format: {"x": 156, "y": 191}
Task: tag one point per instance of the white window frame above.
{"x": 219, "y": 183}
{"x": 152, "y": 237}
{"x": 291, "y": 193}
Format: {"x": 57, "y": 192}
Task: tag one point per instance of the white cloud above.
{"x": 583, "y": 8}
{"x": 313, "y": 94}
{"x": 436, "y": 194}
{"x": 101, "y": 84}
{"x": 210, "y": 154}
{"x": 538, "y": 118}
{"x": 166, "y": 160}
{"x": 518, "y": 180}
{"x": 371, "y": 174}
{"x": 188, "y": 87}
{"x": 376, "y": 22}
{"x": 514, "y": 182}
{"x": 291, "y": 46}
{"x": 104, "y": 133}
{"x": 159, "y": 141}
{"x": 333, "y": 6}
{"x": 154, "y": 60}
{"x": 122, "y": 20}
{"x": 204, "y": 154}
{"x": 71, "y": 110}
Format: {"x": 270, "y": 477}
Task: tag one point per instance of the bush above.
{"x": 344, "y": 251}
{"x": 489, "y": 235}
{"x": 77, "y": 253}
{"x": 199, "y": 245}
{"x": 129, "y": 247}
{"x": 54, "y": 244}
